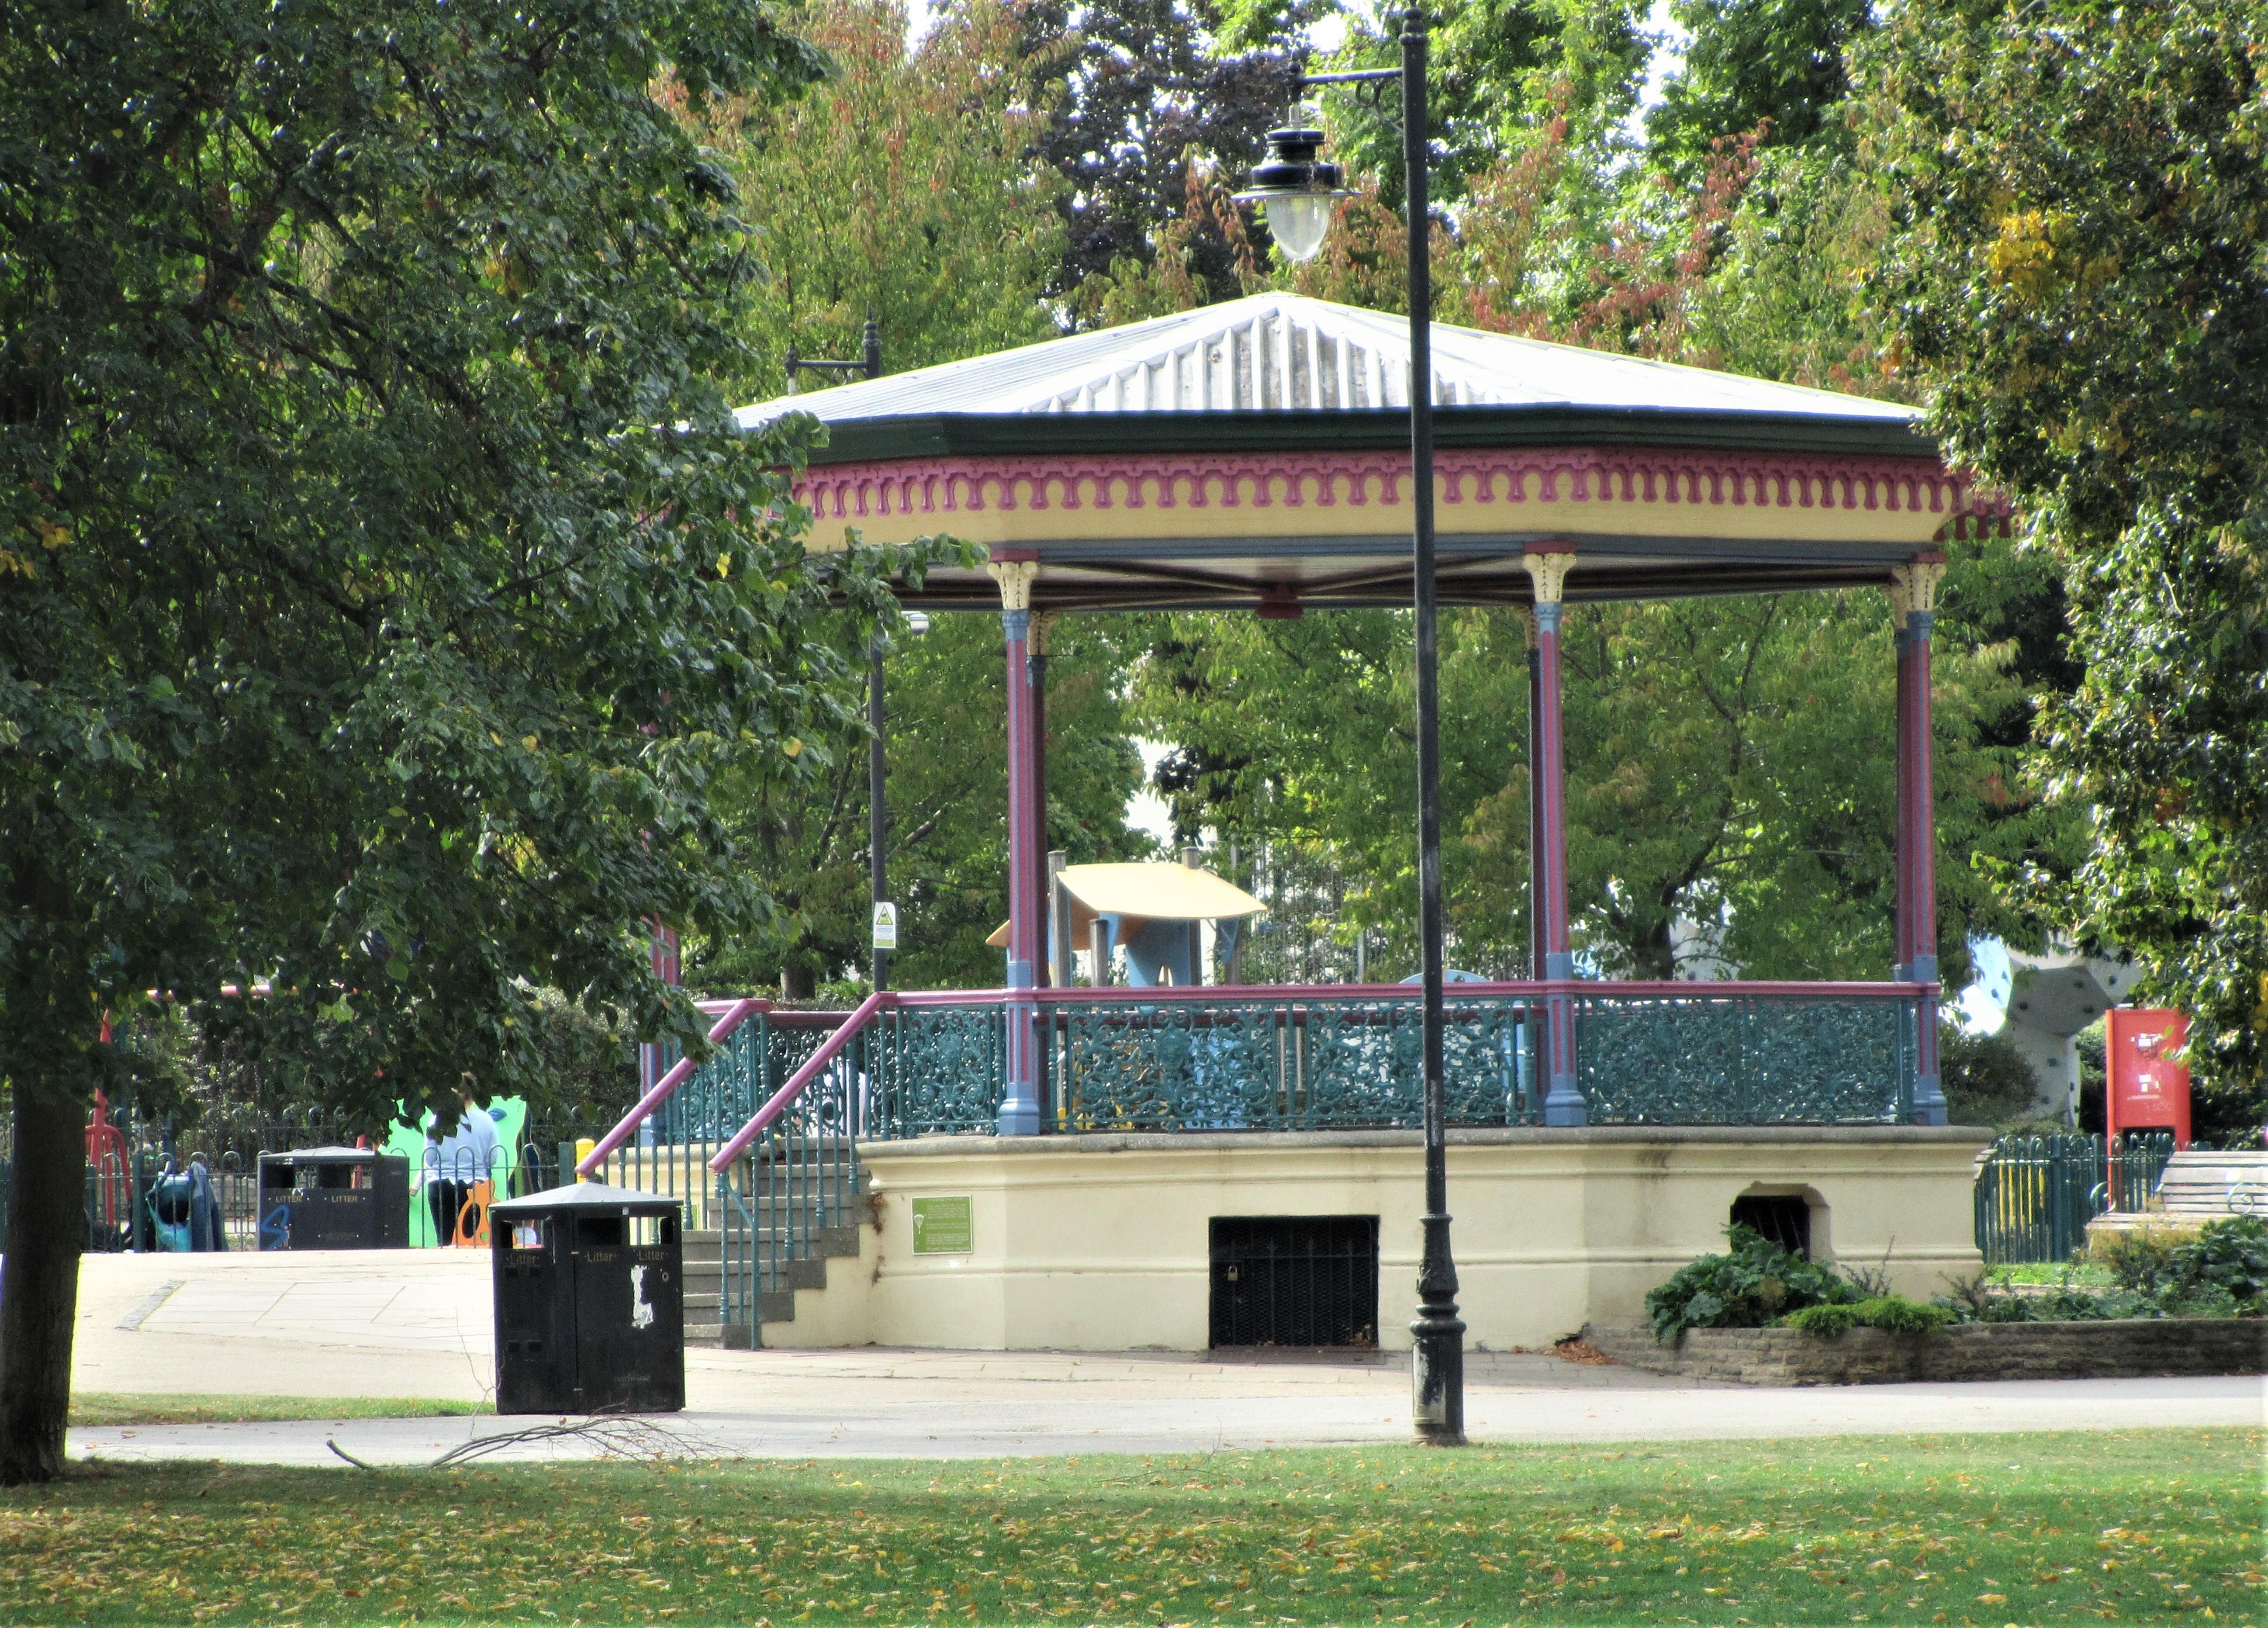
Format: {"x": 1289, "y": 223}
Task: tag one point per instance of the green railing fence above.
{"x": 2035, "y": 1194}
{"x": 1316, "y": 1059}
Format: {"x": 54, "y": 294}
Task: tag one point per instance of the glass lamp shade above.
{"x": 1298, "y": 221}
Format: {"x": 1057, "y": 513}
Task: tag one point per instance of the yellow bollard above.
{"x": 583, "y": 1147}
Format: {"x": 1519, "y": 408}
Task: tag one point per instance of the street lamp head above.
{"x": 1296, "y": 190}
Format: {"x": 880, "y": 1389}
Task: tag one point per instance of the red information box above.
{"x": 2148, "y": 1090}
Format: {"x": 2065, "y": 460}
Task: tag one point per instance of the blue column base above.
{"x": 1563, "y": 1104}
{"x": 1019, "y": 1115}
{"x": 1928, "y": 1100}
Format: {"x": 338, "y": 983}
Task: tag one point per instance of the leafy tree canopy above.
{"x": 383, "y": 581}
{"x": 907, "y": 188}
{"x": 1751, "y": 64}
{"x": 1729, "y": 769}
{"x": 1142, "y": 105}
{"x": 2080, "y": 269}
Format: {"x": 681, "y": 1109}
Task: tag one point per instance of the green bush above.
{"x": 2140, "y": 1259}
{"x": 1985, "y": 1079}
{"x": 1893, "y": 1313}
{"x": 2222, "y": 1261}
{"x": 1825, "y": 1322}
{"x": 2231, "y": 1255}
{"x": 1752, "y": 1285}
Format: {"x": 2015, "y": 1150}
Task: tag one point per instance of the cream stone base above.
{"x": 1101, "y": 1242}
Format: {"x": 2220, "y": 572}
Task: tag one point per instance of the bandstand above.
{"x": 1079, "y": 1149}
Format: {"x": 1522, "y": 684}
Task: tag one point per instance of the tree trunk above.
{"x": 798, "y": 982}
{"x": 38, "y": 1283}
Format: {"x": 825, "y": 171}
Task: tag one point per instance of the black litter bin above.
{"x": 334, "y": 1198}
{"x": 590, "y": 1301}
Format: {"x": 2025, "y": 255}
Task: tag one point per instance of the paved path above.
{"x": 417, "y": 1324}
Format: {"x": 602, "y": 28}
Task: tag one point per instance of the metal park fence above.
{"x": 2035, "y": 1194}
{"x": 140, "y": 1187}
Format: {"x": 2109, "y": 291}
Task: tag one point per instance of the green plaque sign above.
{"x": 943, "y": 1226}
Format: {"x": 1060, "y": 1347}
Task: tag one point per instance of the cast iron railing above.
{"x": 1261, "y": 1059}
{"x": 788, "y": 1184}
{"x": 2035, "y": 1194}
{"x": 1745, "y": 1054}
{"x": 1345, "y": 1056}
{"x": 664, "y": 1143}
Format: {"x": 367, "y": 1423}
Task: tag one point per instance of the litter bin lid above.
{"x": 587, "y": 1195}
{"x": 323, "y": 1156}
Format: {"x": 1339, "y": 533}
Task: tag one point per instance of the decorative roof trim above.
{"x": 943, "y": 487}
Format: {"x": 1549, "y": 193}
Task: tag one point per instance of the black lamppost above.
{"x": 869, "y": 364}
{"x": 1299, "y": 192}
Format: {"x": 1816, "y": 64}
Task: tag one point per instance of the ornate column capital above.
{"x": 1548, "y": 570}
{"x": 1037, "y": 642}
{"x": 1015, "y": 578}
{"x": 1526, "y": 614}
{"x": 1913, "y": 587}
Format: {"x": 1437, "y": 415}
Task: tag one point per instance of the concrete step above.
{"x": 705, "y": 1287}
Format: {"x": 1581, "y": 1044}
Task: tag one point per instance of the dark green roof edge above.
{"x": 935, "y": 435}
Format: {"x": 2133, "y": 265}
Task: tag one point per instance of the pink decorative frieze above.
{"x": 933, "y": 487}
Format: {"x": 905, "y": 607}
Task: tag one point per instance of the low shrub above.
{"x": 2069, "y": 1302}
{"x": 1752, "y": 1285}
{"x": 2231, "y": 1255}
{"x": 2138, "y": 1258}
{"x": 1893, "y": 1313}
{"x": 2221, "y": 1260}
{"x": 1825, "y": 1322}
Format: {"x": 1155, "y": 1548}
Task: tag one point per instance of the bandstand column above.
{"x": 1913, "y": 608}
{"x": 1534, "y": 796}
{"x": 1020, "y": 1104}
{"x": 1036, "y": 653}
{"x": 1563, "y": 1099}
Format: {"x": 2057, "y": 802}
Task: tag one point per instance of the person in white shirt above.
{"x": 454, "y": 1162}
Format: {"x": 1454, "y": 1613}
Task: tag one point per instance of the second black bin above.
{"x": 590, "y": 1301}
{"x": 334, "y": 1198}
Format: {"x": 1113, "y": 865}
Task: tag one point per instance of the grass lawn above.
{"x": 1960, "y": 1529}
{"x": 2079, "y": 1274}
{"x": 111, "y": 1407}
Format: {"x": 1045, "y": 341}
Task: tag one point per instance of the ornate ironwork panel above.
{"x": 1743, "y": 1058}
{"x": 935, "y": 1071}
{"x": 1193, "y": 1062}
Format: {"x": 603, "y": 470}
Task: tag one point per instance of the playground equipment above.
{"x": 481, "y": 1185}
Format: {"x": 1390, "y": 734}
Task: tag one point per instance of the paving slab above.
{"x": 903, "y": 1418}
{"x": 418, "y": 1323}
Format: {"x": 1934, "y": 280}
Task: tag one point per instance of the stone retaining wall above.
{"x": 2119, "y": 1348}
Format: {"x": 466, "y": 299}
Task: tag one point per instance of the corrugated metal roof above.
{"x": 1287, "y": 353}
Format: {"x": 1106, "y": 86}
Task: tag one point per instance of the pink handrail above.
{"x": 1155, "y": 994}
{"x": 782, "y": 1099}
{"x": 735, "y": 1014}
{"x": 1118, "y": 994}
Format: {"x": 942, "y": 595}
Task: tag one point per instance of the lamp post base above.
{"x": 1436, "y": 1352}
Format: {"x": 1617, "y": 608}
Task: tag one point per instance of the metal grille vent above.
{"x": 1295, "y": 1280}
{"x": 1785, "y": 1221}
